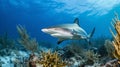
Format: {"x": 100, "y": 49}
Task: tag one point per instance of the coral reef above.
{"x": 78, "y": 56}
{"x": 72, "y": 50}
{"x": 91, "y": 57}
{"x": 116, "y": 42}
{"x": 26, "y": 41}
{"x": 5, "y": 42}
{"x": 112, "y": 63}
{"x": 6, "y": 45}
{"x": 50, "y": 59}
{"x": 109, "y": 47}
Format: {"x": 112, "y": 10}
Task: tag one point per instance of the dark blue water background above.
{"x": 37, "y": 14}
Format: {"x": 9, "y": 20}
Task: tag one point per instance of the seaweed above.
{"x": 29, "y": 43}
{"x": 109, "y": 47}
{"x": 6, "y": 45}
{"x": 6, "y": 42}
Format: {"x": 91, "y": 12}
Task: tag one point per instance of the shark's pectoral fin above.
{"x": 60, "y": 41}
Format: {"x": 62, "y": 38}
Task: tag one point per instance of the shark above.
{"x": 69, "y": 31}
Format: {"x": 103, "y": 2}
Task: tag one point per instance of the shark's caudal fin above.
{"x": 90, "y": 35}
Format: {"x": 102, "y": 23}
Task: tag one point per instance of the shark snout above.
{"x": 49, "y": 31}
{"x": 44, "y": 30}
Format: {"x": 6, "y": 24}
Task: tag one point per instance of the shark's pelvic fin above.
{"x": 76, "y": 21}
{"x": 60, "y": 41}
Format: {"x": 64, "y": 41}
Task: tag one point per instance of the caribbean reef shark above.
{"x": 68, "y": 32}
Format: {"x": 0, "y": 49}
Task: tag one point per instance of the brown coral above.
{"x": 116, "y": 42}
{"x": 50, "y": 59}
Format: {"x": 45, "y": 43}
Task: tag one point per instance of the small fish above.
{"x": 68, "y": 32}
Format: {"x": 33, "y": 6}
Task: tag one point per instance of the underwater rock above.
{"x": 13, "y": 59}
{"x": 32, "y": 60}
{"x": 112, "y": 63}
{"x": 75, "y": 62}
{"x": 6, "y": 62}
{"x": 7, "y": 65}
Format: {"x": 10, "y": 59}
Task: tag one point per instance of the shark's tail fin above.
{"x": 90, "y": 35}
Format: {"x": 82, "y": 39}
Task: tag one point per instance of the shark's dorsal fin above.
{"x": 76, "y": 21}
{"x": 60, "y": 41}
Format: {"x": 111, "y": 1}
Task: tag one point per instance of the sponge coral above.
{"x": 116, "y": 42}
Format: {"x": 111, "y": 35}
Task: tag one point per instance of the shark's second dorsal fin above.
{"x": 76, "y": 21}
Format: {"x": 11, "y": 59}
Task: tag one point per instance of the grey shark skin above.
{"x": 68, "y": 32}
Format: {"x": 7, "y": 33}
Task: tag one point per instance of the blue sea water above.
{"x": 37, "y": 14}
